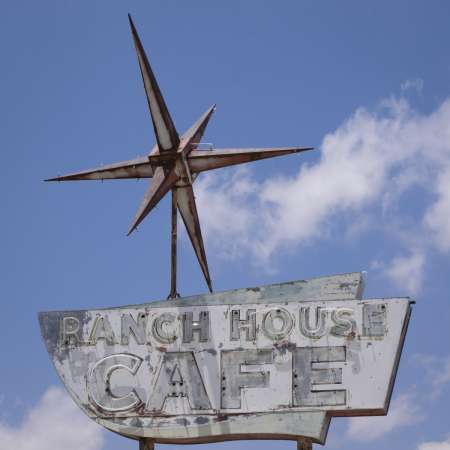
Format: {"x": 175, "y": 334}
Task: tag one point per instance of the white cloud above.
{"x": 412, "y": 83}
{"x": 437, "y": 218}
{"x": 54, "y": 423}
{"x": 226, "y": 205}
{"x": 407, "y": 271}
{"x": 366, "y": 167}
{"x": 404, "y": 411}
{"x": 443, "y": 445}
{"x": 442, "y": 377}
{"x": 437, "y": 369}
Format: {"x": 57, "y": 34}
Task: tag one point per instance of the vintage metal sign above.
{"x": 270, "y": 362}
{"x": 273, "y": 362}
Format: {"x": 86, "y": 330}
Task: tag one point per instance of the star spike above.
{"x": 165, "y": 132}
{"x": 202, "y": 160}
{"x": 188, "y": 211}
{"x": 158, "y": 188}
{"x": 135, "y": 168}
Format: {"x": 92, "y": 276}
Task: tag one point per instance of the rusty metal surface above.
{"x": 165, "y": 132}
{"x": 174, "y": 163}
{"x": 146, "y": 444}
{"x": 188, "y": 211}
{"x": 157, "y": 189}
{"x": 242, "y": 364}
{"x": 202, "y": 160}
{"x": 304, "y": 444}
{"x": 135, "y": 168}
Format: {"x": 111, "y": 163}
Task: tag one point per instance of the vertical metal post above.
{"x": 146, "y": 444}
{"x": 173, "y": 253}
{"x": 304, "y": 444}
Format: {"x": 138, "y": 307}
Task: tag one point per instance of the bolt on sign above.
{"x": 273, "y": 362}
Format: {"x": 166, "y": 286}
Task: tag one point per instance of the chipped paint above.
{"x": 272, "y": 362}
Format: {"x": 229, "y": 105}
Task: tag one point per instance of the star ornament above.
{"x": 173, "y": 165}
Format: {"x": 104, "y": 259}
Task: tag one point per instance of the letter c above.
{"x": 99, "y": 382}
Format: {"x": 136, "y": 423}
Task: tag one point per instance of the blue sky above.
{"x": 367, "y": 84}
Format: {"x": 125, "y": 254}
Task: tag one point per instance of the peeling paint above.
{"x": 234, "y": 364}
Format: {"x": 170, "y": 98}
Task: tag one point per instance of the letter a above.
{"x": 179, "y": 377}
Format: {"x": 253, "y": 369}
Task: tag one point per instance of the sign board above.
{"x": 269, "y": 362}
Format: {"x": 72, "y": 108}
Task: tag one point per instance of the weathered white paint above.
{"x": 271, "y": 362}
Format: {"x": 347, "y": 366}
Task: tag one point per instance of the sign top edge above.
{"x": 346, "y": 286}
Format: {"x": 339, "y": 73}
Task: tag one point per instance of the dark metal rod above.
{"x": 173, "y": 253}
{"x": 304, "y": 444}
{"x": 146, "y": 444}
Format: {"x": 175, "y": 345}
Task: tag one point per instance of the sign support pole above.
{"x": 146, "y": 444}
{"x": 304, "y": 444}
{"x": 173, "y": 252}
